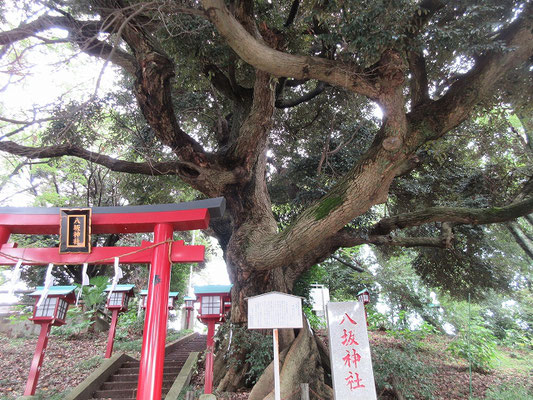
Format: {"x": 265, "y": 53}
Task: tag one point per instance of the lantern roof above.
{"x": 54, "y": 290}
{"x": 362, "y": 291}
{"x": 189, "y": 298}
{"x": 121, "y": 288}
{"x": 212, "y": 289}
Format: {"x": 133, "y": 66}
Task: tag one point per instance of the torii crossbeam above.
{"x": 163, "y": 220}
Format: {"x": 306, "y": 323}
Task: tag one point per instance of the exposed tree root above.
{"x": 301, "y": 364}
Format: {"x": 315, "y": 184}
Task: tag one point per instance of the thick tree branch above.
{"x": 253, "y": 134}
{"x": 351, "y": 266}
{"x": 521, "y": 238}
{"x": 456, "y": 215}
{"x": 292, "y": 13}
{"x": 209, "y": 180}
{"x": 224, "y": 85}
{"x": 417, "y": 64}
{"x": 152, "y": 86}
{"x": 432, "y": 120}
{"x": 282, "y": 64}
{"x": 320, "y": 87}
{"x": 158, "y": 168}
{"x": 84, "y": 33}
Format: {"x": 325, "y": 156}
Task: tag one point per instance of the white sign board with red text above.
{"x": 351, "y": 365}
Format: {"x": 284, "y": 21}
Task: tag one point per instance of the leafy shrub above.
{"x": 517, "y": 339}
{"x": 412, "y": 375}
{"x": 79, "y": 322}
{"x": 508, "y": 392}
{"x": 129, "y": 324}
{"x": 477, "y": 346}
{"x": 316, "y": 322}
{"x": 414, "y": 336}
{"x": 256, "y": 347}
{"x": 376, "y": 320}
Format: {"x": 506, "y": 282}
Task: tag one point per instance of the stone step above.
{"x": 134, "y": 371}
{"x": 115, "y": 394}
{"x": 121, "y": 385}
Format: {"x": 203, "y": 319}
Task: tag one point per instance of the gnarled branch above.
{"x": 281, "y": 64}
{"x": 84, "y": 33}
{"x": 434, "y": 119}
{"x": 458, "y": 215}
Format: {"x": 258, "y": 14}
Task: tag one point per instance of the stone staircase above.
{"x": 123, "y": 383}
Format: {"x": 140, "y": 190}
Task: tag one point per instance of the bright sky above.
{"x": 50, "y": 79}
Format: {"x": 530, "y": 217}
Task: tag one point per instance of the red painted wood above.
{"x": 208, "y": 383}
{"x": 4, "y": 234}
{"x": 111, "y": 336}
{"x": 155, "y": 324}
{"x": 37, "y": 361}
{"x": 181, "y": 220}
{"x": 43, "y": 256}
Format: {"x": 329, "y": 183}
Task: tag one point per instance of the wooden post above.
{"x": 277, "y": 390}
{"x": 304, "y": 391}
{"x": 37, "y": 361}
{"x": 208, "y": 385}
{"x": 111, "y": 335}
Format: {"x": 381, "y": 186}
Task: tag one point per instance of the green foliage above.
{"x": 317, "y": 323}
{"x": 508, "y": 392}
{"x": 376, "y": 320}
{"x": 413, "y": 376}
{"x": 20, "y": 313}
{"x": 414, "y": 336}
{"x": 78, "y": 321}
{"x": 128, "y": 345}
{"x": 477, "y": 345}
{"x": 93, "y": 295}
{"x": 256, "y": 346}
{"x": 129, "y": 325}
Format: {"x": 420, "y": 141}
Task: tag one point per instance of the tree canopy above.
{"x": 325, "y": 125}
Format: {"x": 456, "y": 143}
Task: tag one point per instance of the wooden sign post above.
{"x": 275, "y": 311}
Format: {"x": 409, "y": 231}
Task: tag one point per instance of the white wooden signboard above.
{"x": 274, "y": 310}
{"x": 351, "y": 365}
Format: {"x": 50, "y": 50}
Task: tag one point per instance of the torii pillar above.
{"x": 162, "y": 220}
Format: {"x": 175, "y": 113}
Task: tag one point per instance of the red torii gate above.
{"x": 163, "y": 220}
